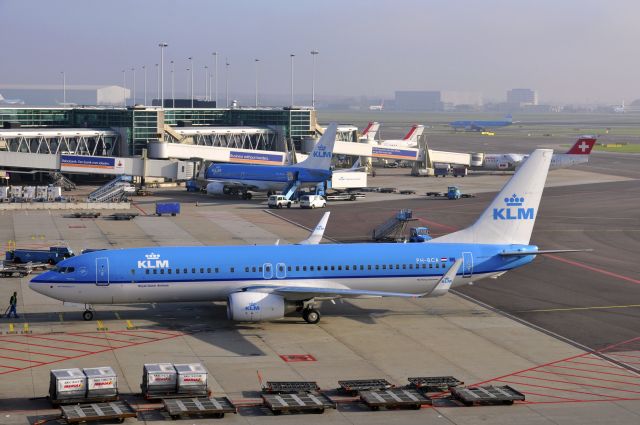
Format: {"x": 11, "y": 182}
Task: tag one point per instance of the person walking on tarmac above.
{"x": 13, "y": 302}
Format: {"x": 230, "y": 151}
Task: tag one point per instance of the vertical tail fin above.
{"x": 583, "y": 146}
{"x": 508, "y": 117}
{"x": 320, "y": 157}
{"x": 511, "y": 216}
{"x": 370, "y": 131}
{"x": 414, "y": 133}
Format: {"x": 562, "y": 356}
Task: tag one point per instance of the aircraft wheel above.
{"x": 87, "y": 315}
{"x": 289, "y": 205}
{"x": 311, "y": 316}
{"x": 248, "y": 195}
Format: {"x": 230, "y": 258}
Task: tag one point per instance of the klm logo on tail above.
{"x": 514, "y": 210}
{"x": 321, "y": 152}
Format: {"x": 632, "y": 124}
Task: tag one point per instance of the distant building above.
{"x": 418, "y": 101}
{"x": 52, "y": 94}
{"x": 522, "y": 97}
{"x": 457, "y": 98}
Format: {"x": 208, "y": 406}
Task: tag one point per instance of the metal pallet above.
{"x": 119, "y": 410}
{"x": 355, "y": 385}
{"x": 81, "y": 400}
{"x": 289, "y": 387}
{"x": 394, "y": 397}
{"x": 300, "y": 402}
{"x": 434, "y": 383}
{"x": 214, "y": 406}
{"x": 470, "y": 396}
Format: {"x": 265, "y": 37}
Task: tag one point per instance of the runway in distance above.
{"x": 578, "y": 154}
{"x": 481, "y": 125}
{"x": 231, "y": 179}
{"x": 408, "y": 141}
{"x": 266, "y": 282}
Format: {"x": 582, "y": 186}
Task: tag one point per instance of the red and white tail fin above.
{"x": 583, "y": 146}
{"x": 370, "y": 130}
{"x": 414, "y": 133}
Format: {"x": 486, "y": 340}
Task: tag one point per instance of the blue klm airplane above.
{"x": 481, "y": 125}
{"x": 267, "y": 282}
{"x": 232, "y": 179}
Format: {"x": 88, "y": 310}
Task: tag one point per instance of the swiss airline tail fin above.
{"x": 414, "y": 133}
{"x": 583, "y": 146}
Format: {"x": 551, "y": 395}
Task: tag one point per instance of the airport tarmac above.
{"x": 488, "y": 334}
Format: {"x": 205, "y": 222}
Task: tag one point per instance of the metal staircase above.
{"x": 114, "y": 191}
{"x": 393, "y": 229}
{"x": 290, "y": 190}
{"x": 59, "y": 179}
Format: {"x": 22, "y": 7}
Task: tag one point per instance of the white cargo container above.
{"x": 67, "y": 384}
{"x": 41, "y": 193}
{"x": 101, "y": 382}
{"x": 54, "y": 192}
{"x": 192, "y": 378}
{"x": 4, "y": 192}
{"x": 29, "y": 192}
{"x": 159, "y": 378}
{"x": 348, "y": 179}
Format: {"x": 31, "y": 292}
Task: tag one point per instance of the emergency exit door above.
{"x": 467, "y": 264}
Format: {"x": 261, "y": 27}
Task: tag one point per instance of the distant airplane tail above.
{"x": 583, "y": 146}
{"x": 508, "y": 117}
{"x": 414, "y": 133}
{"x": 320, "y": 157}
{"x": 1, "y": 97}
{"x": 511, "y": 216}
{"x": 370, "y": 130}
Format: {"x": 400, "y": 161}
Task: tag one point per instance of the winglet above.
{"x": 316, "y": 236}
{"x": 445, "y": 282}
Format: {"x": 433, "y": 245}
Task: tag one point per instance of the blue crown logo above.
{"x": 514, "y": 201}
{"x": 321, "y": 147}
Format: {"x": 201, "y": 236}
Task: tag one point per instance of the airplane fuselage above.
{"x": 478, "y": 125}
{"x": 265, "y": 177}
{"x": 182, "y": 274}
{"x": 511, "y": 161}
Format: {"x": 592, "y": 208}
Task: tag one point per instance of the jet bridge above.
{"x": 76, "y": 141}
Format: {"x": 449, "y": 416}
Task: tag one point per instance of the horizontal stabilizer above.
{"x": 541, "y": 252}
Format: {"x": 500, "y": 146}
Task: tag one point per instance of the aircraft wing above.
{"x": 541, "y": 252}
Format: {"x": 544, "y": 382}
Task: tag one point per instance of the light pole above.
{"x": 124, "y": 88}
{"x": 256, "y": 61}
{"x": 162, "y": 46}
{"x": 144, "y": 68}
{"x": 206, "y": 82}
{"x": 64, "y": 87}
{"x": 314, "y": 53}
{"x": 191, "y": 68}
{"x": 134, "y": 86}
{"x": 173, "y": 93}
{"x": 215, "y": 65}
{"x": 226, "y": 79}
{"x": 158, "y": 81}
{"x": 292, "y": 56}
{"x": 188, "y": 81}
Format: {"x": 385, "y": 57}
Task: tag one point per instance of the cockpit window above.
{"x": 64, "y": 270}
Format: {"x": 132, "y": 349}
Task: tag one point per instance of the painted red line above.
{"x": 9, "y": 367}
{"x": 598, "y": 365}
{"x": 585, "y": 377}
{"x": 599, "y": 372}
{"x": 68, "y": 341}
{"x": 581, "y": 401}
{"x": 550, "y": 396}
{"x": 139, "y": 209}
{"x": 81, "y": 335}
{"x": 20, "y": 360}
{"x": 46, "y": 346}
{"x": 36, "y": 353}
{"x": 617, "y": 344}
{"x": 611, "y": 397}
{"x": 136, "y": 336}
{"x": 436, "y": 224}
{"x": 594, "y": 269}
{"x": 578, "y": 383}
{"x": 623, "y": 355}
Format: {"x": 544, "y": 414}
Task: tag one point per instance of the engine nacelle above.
{"x": 254, "y": 306}
{"x": 215, "y": 188}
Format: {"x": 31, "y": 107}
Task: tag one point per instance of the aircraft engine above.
{"x": 215, "y": 188}
{"x": 254, "y": 306}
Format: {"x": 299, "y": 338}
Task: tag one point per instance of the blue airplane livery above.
{"x": 481, "y": 125}
{"x": 268, "y": 282}
{"x": 240, "y": 179}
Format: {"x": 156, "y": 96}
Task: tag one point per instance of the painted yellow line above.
{"x": 605, "y": 307}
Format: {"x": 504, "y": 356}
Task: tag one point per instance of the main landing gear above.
{"x": 311, "y": 315}
{"x": 88, "y": 313}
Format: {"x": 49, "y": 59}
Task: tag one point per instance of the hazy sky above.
{"x": 569, "y": 50}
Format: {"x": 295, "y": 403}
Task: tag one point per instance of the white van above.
{"x": 312, "y": 201}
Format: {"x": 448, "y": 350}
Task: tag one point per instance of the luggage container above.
{"x": 29, "y": 192}
{"x": 4, "y": 192}
{"x": 41, "y": 193}
{"x": 192, "y": 378}
{"x": 102, "y": 382}
{"x": 159, "y": 378}
{"x": 172, "y": 208}
{"x": 54, "y": 192}
{"x": 16, "y": 192}
{"x": 67, "y": 384}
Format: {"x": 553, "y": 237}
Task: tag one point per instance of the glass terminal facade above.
{"x": 140, "y": 125}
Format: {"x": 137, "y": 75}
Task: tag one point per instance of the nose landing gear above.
{"x": 311, "y": 315}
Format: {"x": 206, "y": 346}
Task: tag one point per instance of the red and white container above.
{"x": 192, "y": 378}
{"x": 67, "y": 384}
{"x": 101, "y": 382}
{"x": 159, "y": 378}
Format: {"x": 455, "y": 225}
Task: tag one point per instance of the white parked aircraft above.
{"x": 11, "y": 101}
{"x": 409, "y": 141}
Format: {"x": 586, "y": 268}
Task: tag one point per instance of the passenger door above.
{"x": 102, "y": 271}
{"x": 467, "y": 264}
